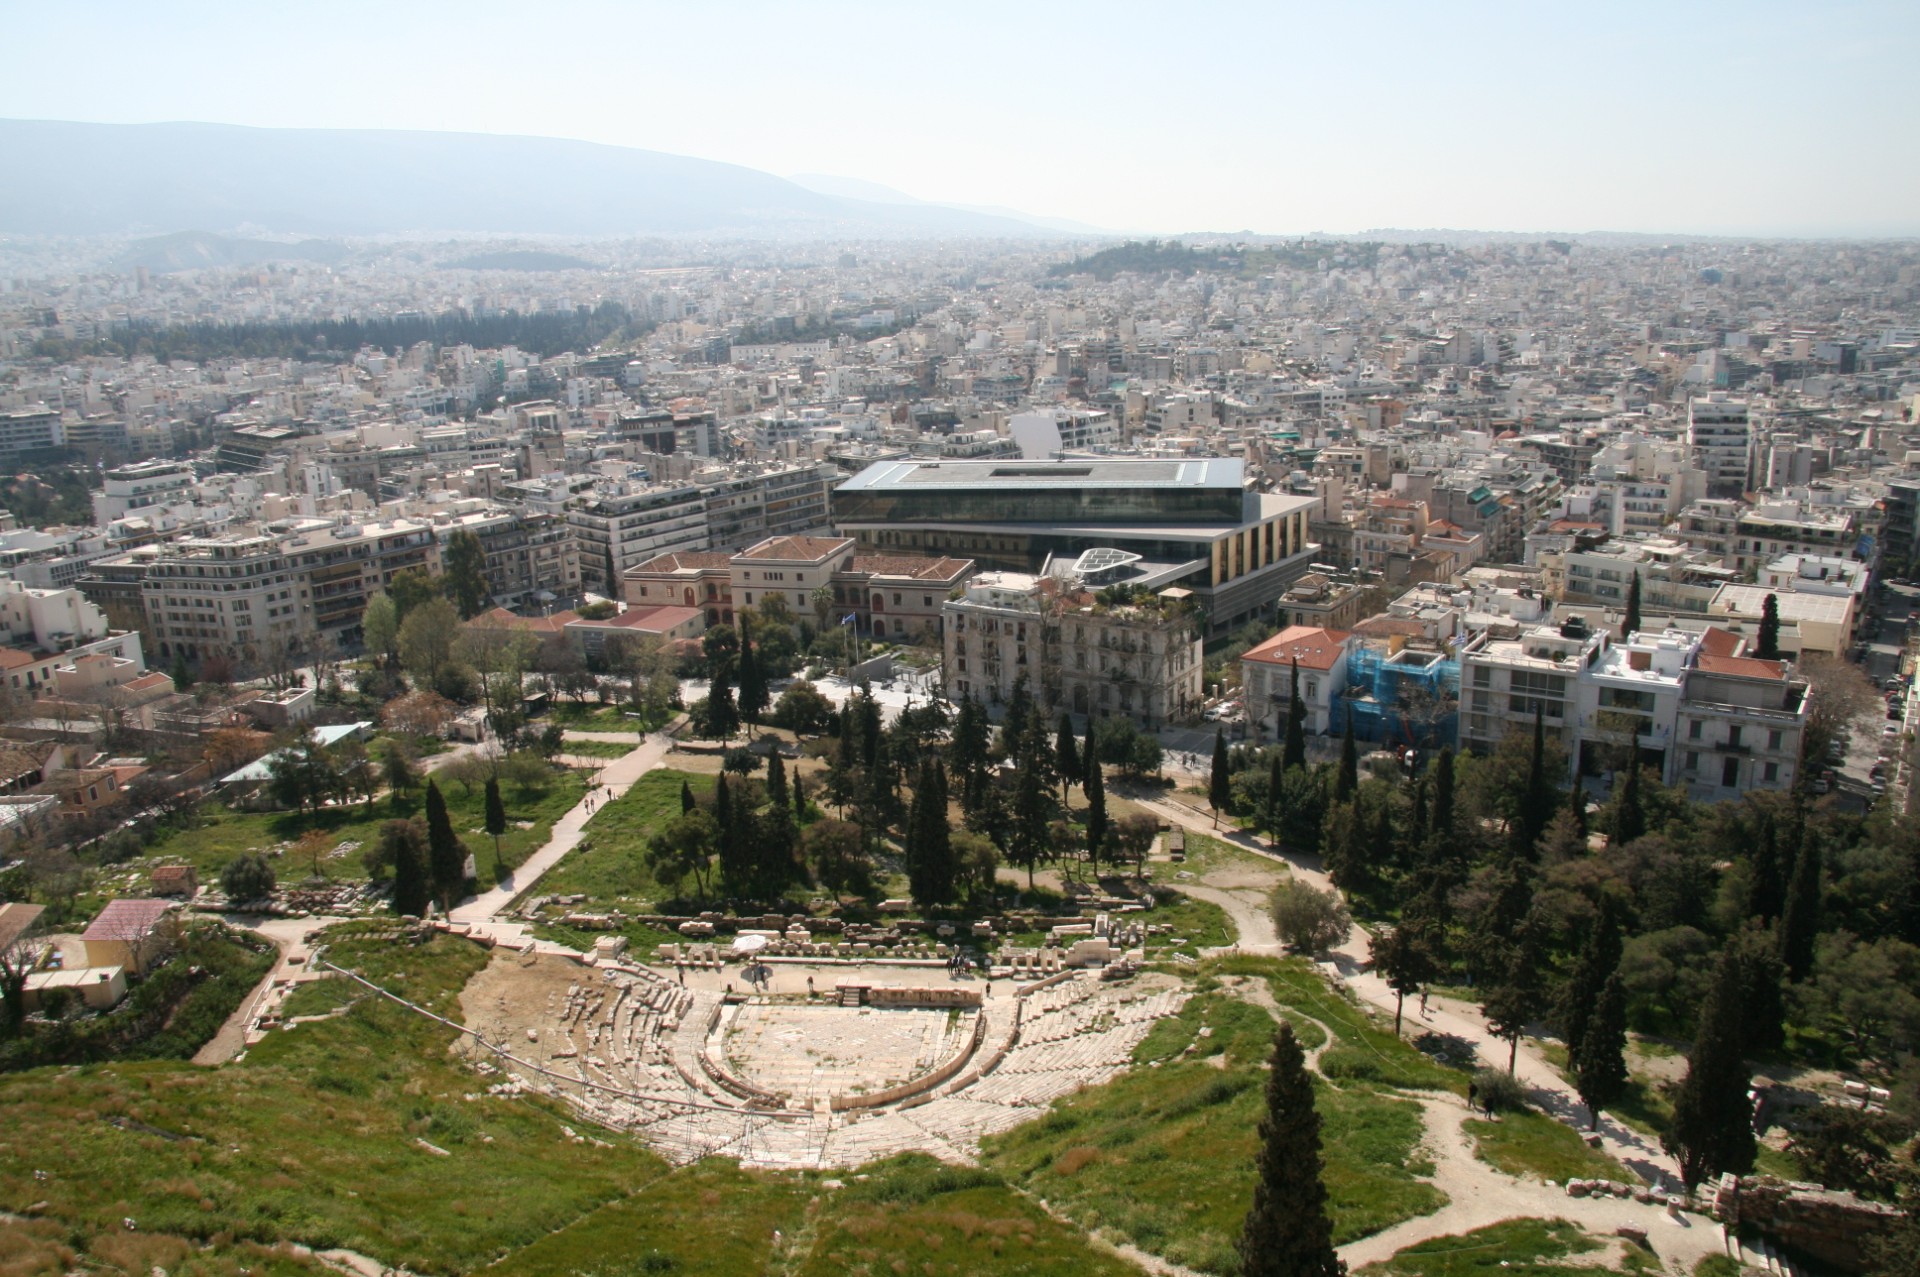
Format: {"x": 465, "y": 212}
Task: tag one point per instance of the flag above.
{"x": 847, "y": 619}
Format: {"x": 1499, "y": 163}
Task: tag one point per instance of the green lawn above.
{"x": 1198, "y": 924}
{"x": 596, "y": 748}
{"x": 1208, "y": 855}
{"x": 224, "y": 834}
{"x": 1535, "y": 1145}
{"x": 589, "y": 717}
{"x": 1164, "y": 1154}
{"x": 612, "y": 869}
{"x": 1511, "y": 1248}
{"x": 643, "y": 940}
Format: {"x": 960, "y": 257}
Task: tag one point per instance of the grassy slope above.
{"x": 613, "y": 867}
{"x": 1164, "y": 1154}
{"x": 1536, "y": 1145}
{"x": 1512, "y": 1248}
{"x": 225, "y": 834}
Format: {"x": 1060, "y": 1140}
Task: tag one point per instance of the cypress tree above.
{"x": 496, "y": 823}
{"x": 1028, "y": 842}
{"x": 1601, "y": 1074}
{"x": 752, "y": 680}
{"x": 182, "y": 676}
{"x": 1518, "y": 995}
{"x": 1276, "y": 797}
{"x": 1599, "y": 959}
{"x": 1347, "y": 779}
{"x": 1763, "y": 979}
{"x": 412, "y": 888}
{"x": 1711, "y": 1132}
{"x": 1767, "y": 645}
{"x": 1441, "y": 813}
{"x": 776, "y": 781}
{"x": 1628, "y": 820}
{"x": 1296, "y": 743}
{"x": 970, "y": 741}
{"x": 930, "y": 867}
{"x": 1287, "y": 1232}
{"x": 1537, "y": 802}
{"x": 1220, "y": 780}
{"x": 1090, "y": 759}
{"x": 736, "y": 868}
{"x": 687, "y": 803}
{"x": 1800, "y": 920}
{"x": 1096, "y": 816}
{"x": 1066, "y": 756}
{"x": 446, "y": 858}
{"x": 1630, "y": 623}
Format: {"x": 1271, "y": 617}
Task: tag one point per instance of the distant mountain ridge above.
{"x": 68, "y": 178}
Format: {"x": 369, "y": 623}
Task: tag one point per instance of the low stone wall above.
{"x": 880, "y": 995}
{"x": 1828, "y": 1226}
{"x": 922, "y": 1085}
{"x": 724, "y": 1078}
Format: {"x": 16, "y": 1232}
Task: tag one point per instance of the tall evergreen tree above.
{"x": 1601, "y": 1074}
{"x": 1288, "y": 1232}
{"x": 1096, "y": 816}
{"x": 1517, "y": 996}
{"x": 736, "y": 855}
{"x": 1628, "y": 819}
{"x": 687, "y": 802}
{"x": 1404, "y": 960}
{"x": 1019, "y": 706}
{"x": 777, "y": 782}
{"x": 1219, "y": 779}
{"x": 446, "y": 857}
{"x": 182, "y": 676}
{"x": 1276, "y": 798}
{"x": 1346, "y": 781}
{"x": 1767, "y": 643}
{"x": 930, "y": 865}
{"x": 464, "y": 575}
{"x": 1763, "y": 981}
{"x": 1599, "y": 958}
{"x": 1441, "y": 814}
{"x": 496, "y": 823}
{"x": 412, "y": 884}
{"x": 1537, "y": 801}
{"x": 1028, "y": 841}
{"x": 1066, "y": 756}
{"x": 971, "y": 738}
{"x": 1800, "y": 920}
{"x": 1296, "y": 742}
{"x": 1090, "y": 759}
{"x": 1630, "y": 623}
{"x": 1711, "y": 1131}
{"x": 752, "y": 678}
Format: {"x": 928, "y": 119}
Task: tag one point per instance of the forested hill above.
{"x": 1171, "y": 257}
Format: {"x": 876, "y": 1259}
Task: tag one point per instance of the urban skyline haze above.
{"x": 1761, "y": 119}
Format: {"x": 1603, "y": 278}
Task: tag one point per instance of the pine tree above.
{"x": 1711, "y": 1131}
{"x": 1767, "y": 644}
{"x": 1096, "y": 816}
{"x": 1630, "y": 623}
{"x": 1288, "y": 1232}
{"x": 1518, "y": 995}
{"x": 1599, "y": 959}
{"x": 777, "y": 782}
{"x": 1066, "y": 756}
{"x": 1442, "y": 840}
{"x": 496, "y": 824}
{"x": 687, "y": 802}
{"x": 1601, "y": 1074}
{"x": 930, "y": 866}
{"x": 1091, "y": 758}
{"x": 1030, "y": 818}
{"x": 1220, "y": 779}
{"x": 1296, "y": 742}
{"x": 1404, "y": 960}
{"x": 412, "y": 886}
{"x": 969, "y": 751}
{"x": 1800, "y": 920}
{"x": 182, "y": 676}
{"x": 446, "y": 858}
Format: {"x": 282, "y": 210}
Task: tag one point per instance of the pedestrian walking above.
{"x": 1473, "y": 1095}
{"x": 1424, "y": 1013}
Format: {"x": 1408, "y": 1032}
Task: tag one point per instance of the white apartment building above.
{"x": 340, "y": 566}
{"x": 1267, "y": 673}
{"x": 1049, "y": 432}
{"x": 1139, "y": 659}
{"x": 1694, "y": 706}
{"x": 747, "y": 504}
{"x": 622, "y": 524}
{"x": 236, "y": 596}
{"x": 140, "y": 487}
{"x": 1721, "y": 438}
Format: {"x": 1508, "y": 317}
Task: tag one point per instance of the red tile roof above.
{"x": 796, "y": 549}
{"x": 126, "y": 920}
{"x": 1313, "y": 647}
{"x": 684, "y": 561}
{"x": 1715, "y": 641}
{"x": 1741, "y": 666}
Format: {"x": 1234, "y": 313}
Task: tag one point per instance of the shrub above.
{"x": 1307, "y": 919}
{"x": 1499, "y": 1091}
{"x": 247, "y": 877}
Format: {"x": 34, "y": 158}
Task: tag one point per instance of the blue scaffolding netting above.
{"x": 1407, "y": 698}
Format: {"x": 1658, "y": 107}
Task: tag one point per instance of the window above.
{"x": 1733, "y": 736}
{"x": 1693, "y": 760}
{"x": 1693, "y": 730}
{"x": 1773, "y": 742}
{"x": 1772, "y": 772}
{"x": 1482, "y": 676}
{"x": 1730, "y": 773}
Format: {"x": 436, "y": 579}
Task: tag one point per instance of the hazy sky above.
{"x": 1745, "y": 118}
